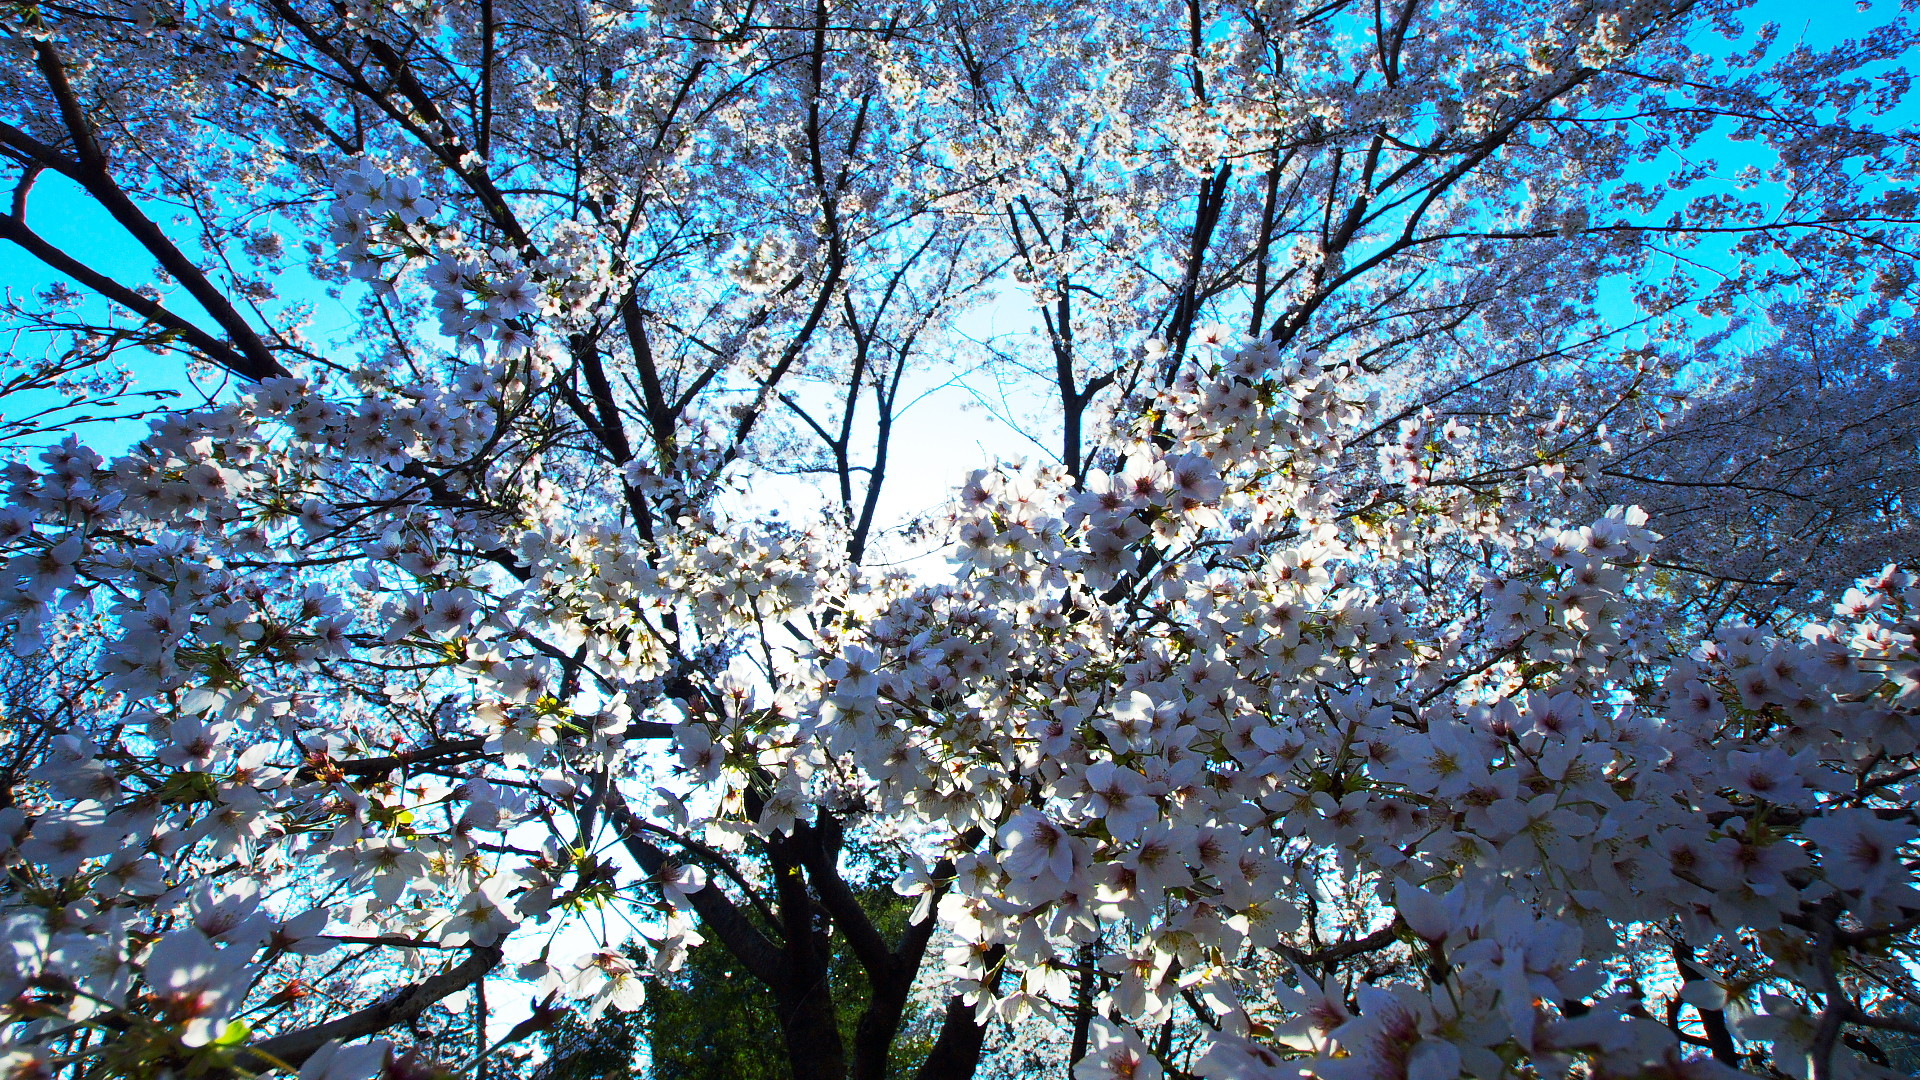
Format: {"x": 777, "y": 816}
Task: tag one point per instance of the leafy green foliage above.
{"x": 608, "y": 1049}
{"x": 713, "y": 1021}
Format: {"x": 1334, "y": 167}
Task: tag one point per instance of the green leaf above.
{"x": 235, "y": 1034}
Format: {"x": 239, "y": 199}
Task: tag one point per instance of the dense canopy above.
{"x": 1435, "y": 607}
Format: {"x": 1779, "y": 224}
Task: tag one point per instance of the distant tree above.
{"x": 1785, "y": 475}
{"x": 607, "y": 1048}
{"x": 710, "y": 1021}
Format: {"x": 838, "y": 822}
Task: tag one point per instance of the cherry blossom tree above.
{"x": 1322, "y": 705}
{"x": 1790, "y": 476}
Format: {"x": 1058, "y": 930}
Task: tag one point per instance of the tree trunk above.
{"x": 956, "y": 1053}
{"x": 809, "y": 1023}
{"x": 811, "y": 1030}
{"x": 879, "y": 1026}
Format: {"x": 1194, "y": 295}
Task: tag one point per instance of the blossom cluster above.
{"x": 1189, "y": 723}
{"x": 1185, "y": 709}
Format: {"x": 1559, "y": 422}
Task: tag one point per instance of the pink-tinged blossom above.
{"x": 1116, "y": 1053}
{"x": 1117, "y": 797}
{"x": 1032, "y": 846}
{"x": 607, "y": 979}
{"x": 1860, "y": 851}
{"x": 479, "y": 919}
{"x": 678, "y": 881}
{"x": 198, "y": 986}
{"x": 1233, "y": 1057}
{"x": 62, "y": 840}
{"x": 1317, "y": 1009}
